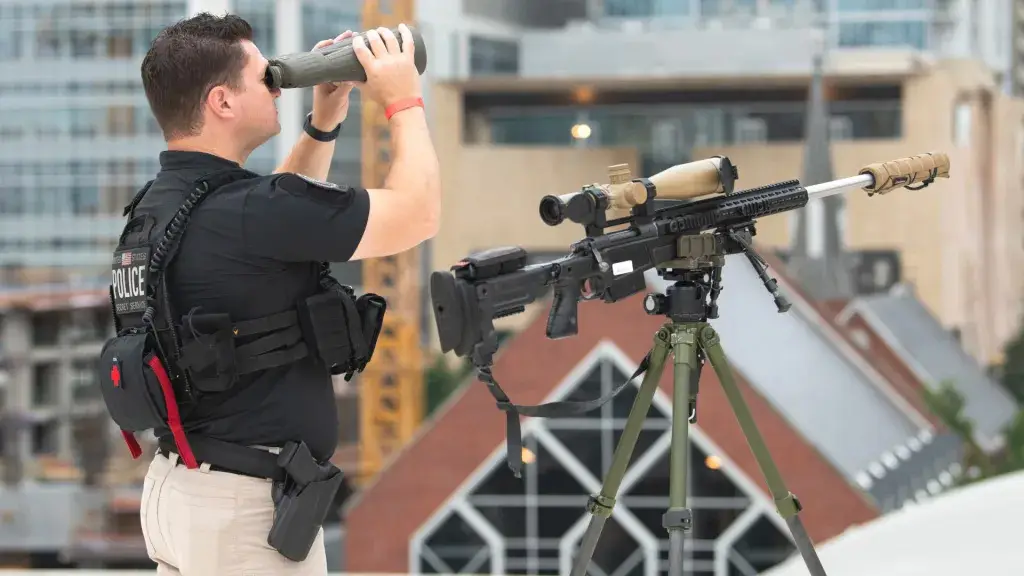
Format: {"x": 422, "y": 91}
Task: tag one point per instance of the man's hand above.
{"x": 331, "y": 99}
{"x": 406, "y": 209}
{"x": 391, "y": 73}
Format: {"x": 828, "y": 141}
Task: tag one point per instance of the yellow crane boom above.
{"x": 391, "y": 387}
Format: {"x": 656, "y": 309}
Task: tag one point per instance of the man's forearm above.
{"x": 309, "y": 157}
{"x": 414, "y": 168}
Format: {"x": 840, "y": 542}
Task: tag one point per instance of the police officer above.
{"x": 252, "y": 249}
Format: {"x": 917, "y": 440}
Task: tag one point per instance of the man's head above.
{"x": 204, "y": 80}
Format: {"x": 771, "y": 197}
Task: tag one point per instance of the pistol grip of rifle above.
{"x": 563, "y": 318}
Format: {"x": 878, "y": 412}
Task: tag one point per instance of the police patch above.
{"x": 319, "y": 183}
{"x": 325, "y": 193}
{"x": 130, "y": 274}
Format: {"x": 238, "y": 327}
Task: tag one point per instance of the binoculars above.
{"x": 334, "y": 63}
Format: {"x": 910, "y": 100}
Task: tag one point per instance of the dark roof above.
{"x": 873, "y": 350}
{"x": 935, "y": 355}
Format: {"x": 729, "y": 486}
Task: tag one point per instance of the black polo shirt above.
{"x": 253, "y": 249}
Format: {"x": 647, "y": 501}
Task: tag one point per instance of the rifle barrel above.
{"x": 833, "y": 187}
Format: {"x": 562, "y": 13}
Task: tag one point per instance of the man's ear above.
{"x": 220, "y": 102}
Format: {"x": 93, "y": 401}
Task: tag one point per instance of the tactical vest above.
{"x": 162, "y": 360}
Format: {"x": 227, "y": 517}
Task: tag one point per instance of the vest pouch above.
{"x": 371, "y": 308}
{"x": 133, "y": 382}
{"x": 208, "y": 352}
{"x": 327, "y": 320}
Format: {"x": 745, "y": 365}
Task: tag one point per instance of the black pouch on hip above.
{"x": 302, "y": 501}
{"x": 133, "y": 381}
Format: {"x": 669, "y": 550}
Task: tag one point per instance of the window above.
{"x": 913, "y": 34}
{"x": 748, "y": 130}
{"x": 533, "y": 525}
{"x": 717, "y": 8}
{"x": 962, "y": 124}
{"x": 327, "y": 21}
{"x": 120, "y": 121}
{"x": 674, "y": 129}
{"x": 45, "y": 385}
{"x": 840, "y": 128}
{"x": 645, "y": 8}
{"x": 666, "y": 141}
{"x": 84, "y": 385}
{"x": 84, "y": 44}
{"x": 883, "y": 273}
{"x": 1020, "y": 142}
{"x": 119, "y": 44}
{"x": 880, "y": 5}
{"x": 46, "y": 328}
{"x": 262, "y": 15}
{"x": 44, "y": 437}
{"x": 489, "y": 56}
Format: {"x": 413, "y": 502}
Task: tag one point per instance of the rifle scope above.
{"x": 715, "y": 175}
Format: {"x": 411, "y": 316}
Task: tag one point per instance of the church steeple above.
{"x": 818, "y": 261}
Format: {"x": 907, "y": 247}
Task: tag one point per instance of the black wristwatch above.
{"x": 319, "y": 135}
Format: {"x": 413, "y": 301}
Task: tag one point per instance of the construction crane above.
{"x": 391, "y": 388}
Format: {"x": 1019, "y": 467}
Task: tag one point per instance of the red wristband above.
{"x": 397, "y": 107}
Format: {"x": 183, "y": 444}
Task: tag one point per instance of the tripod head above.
{"x": 697, "y": 275}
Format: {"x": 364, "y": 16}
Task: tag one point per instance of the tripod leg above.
{"x": 600, "y": 505}
{"x": 678, "y": 519}
{"x": 785, "y": 501}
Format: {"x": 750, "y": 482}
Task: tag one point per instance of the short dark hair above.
{"x": 185, "y": 61}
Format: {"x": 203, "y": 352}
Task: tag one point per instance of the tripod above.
{"x": 688, "y": 304}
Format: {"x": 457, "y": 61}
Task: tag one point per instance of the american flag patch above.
{"x": 126, "y": 259}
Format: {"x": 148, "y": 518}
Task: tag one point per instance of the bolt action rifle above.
{"x": 685, "y": 240}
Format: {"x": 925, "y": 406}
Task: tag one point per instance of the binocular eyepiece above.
{"x": 334, "y": 63}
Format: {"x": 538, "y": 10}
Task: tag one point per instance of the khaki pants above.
{"x": 208, "y": 523}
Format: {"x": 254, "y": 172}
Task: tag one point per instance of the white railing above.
{"x": 9, "y": 572}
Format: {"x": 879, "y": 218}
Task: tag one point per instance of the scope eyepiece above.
{"x": 552, "y": 210}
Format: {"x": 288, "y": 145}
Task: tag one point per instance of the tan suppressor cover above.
{"x": 899, "y": 173}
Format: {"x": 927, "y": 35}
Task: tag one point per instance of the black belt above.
{"x": 231, "y": 458}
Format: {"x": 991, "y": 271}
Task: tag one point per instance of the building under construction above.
{"x": 528, "y": 98}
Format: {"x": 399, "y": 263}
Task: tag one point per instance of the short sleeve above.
{"x": 297, "y": 219}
